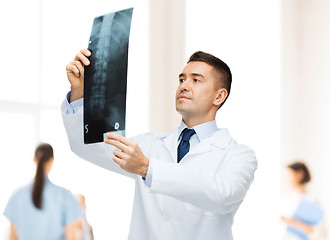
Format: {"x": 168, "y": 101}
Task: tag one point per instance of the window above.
{"x": 41, "y": 37}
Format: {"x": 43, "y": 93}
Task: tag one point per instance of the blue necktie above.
{"x": 184, "y": 145}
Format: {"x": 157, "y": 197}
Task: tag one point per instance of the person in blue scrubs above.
{"x": 42, "y": 210}
{"x": 303, "y": 216}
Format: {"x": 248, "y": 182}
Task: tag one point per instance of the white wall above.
{"x": 38, "y": 39}
{"x": 305, "y": 91}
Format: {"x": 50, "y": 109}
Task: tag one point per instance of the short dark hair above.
{"x": 225, "y": 77}
{"x": 301, "y": 167}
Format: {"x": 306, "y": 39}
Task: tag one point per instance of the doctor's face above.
{"x": 196, "y": 93}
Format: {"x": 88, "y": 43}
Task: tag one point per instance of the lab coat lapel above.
{"x": 170, "y": 142}
{"x": 220, "y": 139}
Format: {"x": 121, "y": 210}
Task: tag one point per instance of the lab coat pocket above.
{"x": 198, "y": 211}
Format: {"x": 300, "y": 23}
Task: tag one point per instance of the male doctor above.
{"x": 189, "y": 182}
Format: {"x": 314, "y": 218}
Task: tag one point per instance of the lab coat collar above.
{"x": 170, "y": 141}
{"x": 220, "y": 139}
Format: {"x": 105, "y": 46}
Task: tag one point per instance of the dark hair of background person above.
{"x": 301, "y": 167}
{"x": 223, "y": 73}
{"x": 43, "y": 154}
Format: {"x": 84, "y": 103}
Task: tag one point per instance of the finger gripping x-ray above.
{"x": 105, "y": 80}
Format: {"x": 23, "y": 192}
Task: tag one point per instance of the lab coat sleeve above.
{"x": 220, "y": 192}
{"x": 100, "y": 154}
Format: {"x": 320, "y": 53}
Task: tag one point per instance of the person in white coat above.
{"x": 190, "y": 181}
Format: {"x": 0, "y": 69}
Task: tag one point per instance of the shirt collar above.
{"x": 203, "y": 130}
{"x": 47, "y": 178}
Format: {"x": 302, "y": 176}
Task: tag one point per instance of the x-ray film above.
{"x": 105, "y": 80}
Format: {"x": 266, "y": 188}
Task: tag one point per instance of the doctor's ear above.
{"x": 221, "y": 96}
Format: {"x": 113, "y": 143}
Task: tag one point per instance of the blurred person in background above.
{"x": 302, "y": 215}
{"x": 84, "y": 230}
{"x": 42, "y": 210}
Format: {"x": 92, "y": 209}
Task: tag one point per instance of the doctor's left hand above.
{"x": 129, "y": 156}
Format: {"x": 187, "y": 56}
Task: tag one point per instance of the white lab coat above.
{"x": 195, "y": 199}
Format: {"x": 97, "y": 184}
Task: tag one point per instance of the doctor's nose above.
{"x": 184, "y": 87}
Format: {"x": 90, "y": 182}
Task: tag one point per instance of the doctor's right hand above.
{"x": 75, "y": 72}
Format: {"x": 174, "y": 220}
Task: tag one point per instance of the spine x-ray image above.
{"x": 106, "y": 77}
